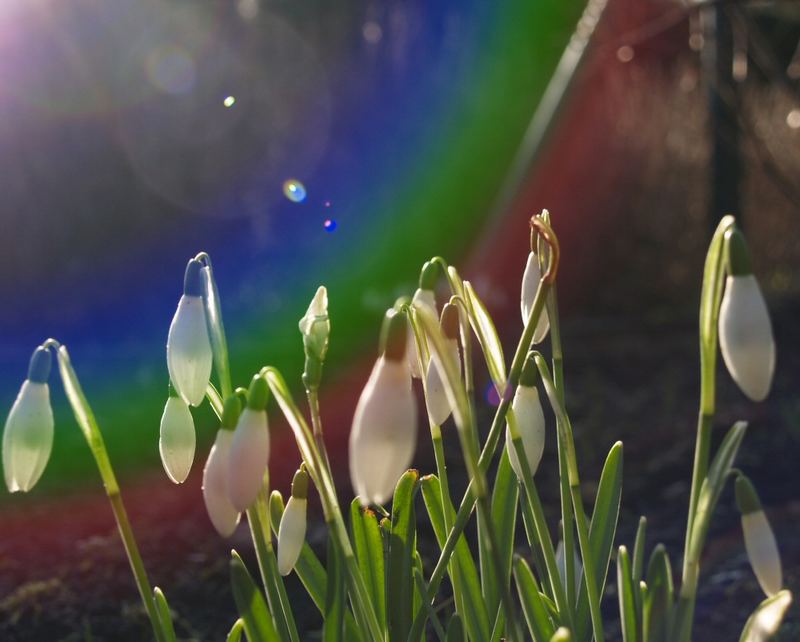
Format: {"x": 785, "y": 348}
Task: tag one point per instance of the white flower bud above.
{"x": 529, "y": 416}
{"x": 223, "y": 514}
{"x": 530, "y": 285}
{"x": 384, "y": 433}
{"x": 421, "y": 299}
{"x": 28, "y": 437}
{"x": 177, "y": 439}
{"x": 291, "y": 534}
{"x": 435, "y": 397}
{"x": 745, "y": 336}
{"x": 189, "y": 354}
{"x": 315, "y": 326}
{"x": 248, "y": 458}
{"x": 762, "y": 551}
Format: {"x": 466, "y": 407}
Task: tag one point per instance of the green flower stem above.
{"x": 565, "y": 607}
{"x": 565, "y": 431}
{"x": 362, "y": 605}
{"x": 713, "y": 284}
{"x": 316, "y": 422}
{"x": 217, "y": 331}
{"x": 489, "y": 448}
{"x": 94, "y": 438}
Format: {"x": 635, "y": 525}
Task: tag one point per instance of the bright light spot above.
{"x": 171, "y": 70}
{"x": 329, "y": 225}
{"x": 793, "y": 119}
{"x": 625, "y": 53}
{"x": 248, "y": 9}
{"x": 294, "y": 190}
{"x": 229, "y": 101}
{"x": 372, "y": 32}
{"x": 327, "y": 203}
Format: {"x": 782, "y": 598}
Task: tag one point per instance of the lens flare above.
{"x": 294, "y": 190}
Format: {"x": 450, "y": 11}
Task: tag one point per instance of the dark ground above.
{"x": 630, "y": 379}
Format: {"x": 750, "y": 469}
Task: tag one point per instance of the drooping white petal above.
{"x": 745, "y": 336}
{"x": 248, "y": 458}
{"x": 762, "y": 551}
{"x": 291, "y": 534}
{"x": 426, "y": 299}
{"x": 223, "y": 514}
{"x": 766, "y": 620}
{"x": 530, "y": 422}
{"x": 384, "y": 433}
{"x": 177, "y": 439}
{"x": 530, "y": 285}
{"x": 436, "y": 398}
{"x": 189, "y": 355}
{"x": 28, "y": 437}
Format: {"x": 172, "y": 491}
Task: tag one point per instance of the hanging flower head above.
{"x": 762, "y": 550}
{"x": 436, "y": 398}
{"x": 250, "y": 447}
{"x": 189, "y": 355}
{"x": 529, "y": 416}
{"x": 384, "y": 433}
{"x": 224, "y": 515}
{"x": 28, "y": 434}
{"x": 292, "y": 530}
{"x": 745, "y": 331}
{"x": 425, "y": 298}
{"x": 177, "y": 440}
{"x": 530, "y": 286}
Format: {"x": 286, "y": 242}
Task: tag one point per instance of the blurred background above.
{"x": 306, "y": 143}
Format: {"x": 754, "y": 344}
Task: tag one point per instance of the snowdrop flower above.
{"x": 315, "y": 327}
{"x": 189, "y": 355}
{"x": 435, "y": 396}
{"x": 176, "y": 442}
{"x": 762, "y": 550}
{"x": 222, "y": 512}
{"x": 766, "y": 621}
{"x": 530, "y": 285}
{"x": 529, "y": 416}
{"x": 292, "y": 531}
{"x": 745, "y": 331}
{"x": 28, "y": 434}
{"x": 384, "y": 432}
{"x": 249, "y": 454}
{"x": 423, "y": 298}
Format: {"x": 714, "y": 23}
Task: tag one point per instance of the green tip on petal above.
{"x": 300, "y": 484}
{"x": 428, "y": 275}
{"x": 530, "y": 374}
{"x": 258, "y": 394}
{"x": 738, "y": 254}
{"x": 393, "y": 335}
{"x": 746, "y": 496}
{"x": 230, "y": 412}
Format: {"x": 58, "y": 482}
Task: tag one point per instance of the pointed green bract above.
{"x": 368, "y": 546}
{"x": 400, "y": 571}
{"x": 627, "y": 599}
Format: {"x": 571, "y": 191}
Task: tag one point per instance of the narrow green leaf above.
{"x": 235, "y": 634}
{"x": 455, "y": 630}
{"x": 475, "y": 616}
{"x": 219, "y": 345}
{"x": 402, "y": 544}
{"x": 252, "y": 607}
{"x": 420, "y": 588}
{"x": 713, "y": 486}
{"x": 712, "y": 286}
{"x": 602, "y": 529}
{"x": 164, "y": 614}
{"x": 333, "y": 626}
{"x": 368, "y": 545}
{"x": 504, "y": 516}
{"x": 627, "y": 599}
{"x": 540, "y": 625}
{"x": 766, "y": 619}
{"x": 638, "y": 550}
{"x": 483, "y": 326}
{"x": 658, "y": 602}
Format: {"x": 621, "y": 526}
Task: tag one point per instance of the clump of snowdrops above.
{"x": 374, "y": 586}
